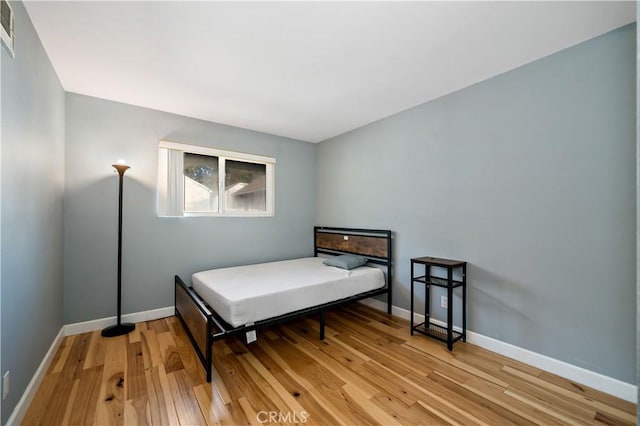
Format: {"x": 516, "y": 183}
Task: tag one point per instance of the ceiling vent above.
{"x": 6, "y": 19}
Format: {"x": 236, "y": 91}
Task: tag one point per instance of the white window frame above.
{"x": 171, "y": 179}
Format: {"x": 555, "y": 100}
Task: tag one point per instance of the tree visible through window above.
{"x": 200, "y": 183}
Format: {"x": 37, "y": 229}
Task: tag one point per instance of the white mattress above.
{"x": 246, "y": 294}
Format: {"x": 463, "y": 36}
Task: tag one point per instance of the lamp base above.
{"x": 118, "y": 330}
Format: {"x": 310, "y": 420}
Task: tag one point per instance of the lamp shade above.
{"x": 121, "y": 166}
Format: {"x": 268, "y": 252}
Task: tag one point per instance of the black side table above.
{"x": 444, "y": 334}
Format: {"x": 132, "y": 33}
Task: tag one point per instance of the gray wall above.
{"x": 155, "y": 248}
{"x": 528, "y": 176}
{"x": 32, "y": 196}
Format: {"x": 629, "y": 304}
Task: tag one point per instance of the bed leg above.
{"x": 209, "y": 366}
{"x": 321, "y": 325}
{"x": 209, "y": 354}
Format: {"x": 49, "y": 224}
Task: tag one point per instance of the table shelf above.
{"x": 438, "y": 282}
{"x": 445, "y": 334}
{"x": 436, "y": 331}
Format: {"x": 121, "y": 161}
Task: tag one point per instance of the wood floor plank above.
{"x": 348, "y": 348}
{"x": 95, "y": 352}
{"x": 273, "y": 382}
{"x": 304, "y": 367}
{"x": 184, "y": 400}
{"x": 237, "y": 415}
{"x": 430, "y": 419}
{"x": 480, "y": 367}
{"x": 151, "y": 346}
{"x": 249, "y": 411}
{"x": 462, "y": 404}
{"x": 381, "y": 416}
{"x": 495, "y": 394}
{"x": 110, "y": 403}
{"x": 285, "y": 413}
{"x": 262, "y": 379}
{"x": 442, "y": 366}
{"x": 86, "y": 399}
{"x": 134, "y": 336}
{"x": 190, "y": 362}
{"x": 218, "y": 385}
{"x": 378, "y": 316}
{"x": 438, "y": 412}
{"x": 380, "y": 357}
{"x": 277, "y": 365}
{"x": 169, "y": 353}
{"x": 576, "y": 409}
{"x": 453, "y": 408}
{"x": 483, "y": 409}
{"x": 400, "y": 332}
{"x": 342, "y": 406}
{"x": 292, "y": 384}
{"x": 542, "y": 407}
{"x": 135, "y": 381}
{"x": 161, "y": 408}
{"x": 37, "y": 409}
{"x": 389, "y": 380}
{"x": 159, "y": 325}
{"x": 61, "y": 360}
{"x": 588, "y": 392}
{"x": 136, "y": 394}
{"x": 434, "y": 348}
{"x": 69, "y": 409}
{"x": 313, "y": 411}
{"x": 75, "y": 354}
{"x": 491, "y": 360}
{"x": 368, "y": 370}
{"x": 345, "y": 326}
{"x": 403, "y": 413}
{"x": 211, "y": 404}
{"x": 240, "y": 383}
{"x": 599, "y": 406}
{"x": 340, "y": 363}
{"x": 398, "y": 357}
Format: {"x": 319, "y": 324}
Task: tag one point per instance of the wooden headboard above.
{"x": 374, "y": 244}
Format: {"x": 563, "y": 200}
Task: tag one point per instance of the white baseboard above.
{"x": 598, "y": 381}
{"x": 99, "y": 324}
{"x": 23, "y": 404}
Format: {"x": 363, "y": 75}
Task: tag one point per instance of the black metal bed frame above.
{"x": 216, "y": 328}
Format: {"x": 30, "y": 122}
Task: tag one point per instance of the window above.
{"x": 200, "y": 181}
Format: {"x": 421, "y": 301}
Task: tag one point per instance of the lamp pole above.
{"x": 119, "y": 328}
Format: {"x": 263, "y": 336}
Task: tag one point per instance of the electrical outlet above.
{"x": 443, "y": 302}
{"x": 5, "y": 386}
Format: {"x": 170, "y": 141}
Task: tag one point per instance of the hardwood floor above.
{"x": 368, "y": 370}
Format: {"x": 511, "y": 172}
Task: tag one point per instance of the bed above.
{"x": 238, "y": 300}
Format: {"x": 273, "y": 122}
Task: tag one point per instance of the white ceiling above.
{"x": 308, "y": 70}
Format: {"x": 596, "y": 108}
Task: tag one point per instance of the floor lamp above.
{"x": 119, "y": 329}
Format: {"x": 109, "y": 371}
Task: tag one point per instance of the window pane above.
{"x": 200, "y": 183}
{"x": 245, "y": 186}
